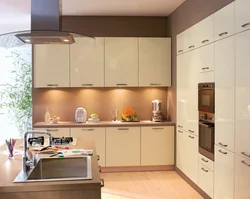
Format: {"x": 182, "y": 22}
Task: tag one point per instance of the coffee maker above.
{"x": 156, "y": 115}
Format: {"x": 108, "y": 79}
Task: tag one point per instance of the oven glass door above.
{"x": 206, "y": 100}
{"x": 206, "y": 139}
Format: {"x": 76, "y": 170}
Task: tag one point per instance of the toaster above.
{"x": 80, "y": 115}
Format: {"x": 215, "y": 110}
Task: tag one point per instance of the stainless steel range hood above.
{"x": 45, "y": 27}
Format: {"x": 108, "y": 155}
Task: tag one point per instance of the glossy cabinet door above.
{"x": 154, "y": 62}
{"x": 121, "y": 62}
{"x": 242, "y": 177}
{"x": 206, "y": 162}
{"x": 182, "y": 91}
{"x": 223, "y": 174}
{"x": 98, "y": 135}
{"x": 180, "y": 43}
{"x": 224, "y": 22}
{"x": 242, "y": 94}
{"x": 51, "y": 65}
{"x": 242, "y": 15}
{"x": 159, "y": 138}
{"x": 180, "y": 149}
{"x": 191, "y": 36}
{"x": 205, "y": 31}
{"x": 87, "y": 62}
{"x": 205, "y": 60}
{"x": 56, "y": 132}
{"x": 191, "y": 156}
{"x": 123, "y": 146}
{"x": 224, "y": 93}
{"x": 206, "y": 180}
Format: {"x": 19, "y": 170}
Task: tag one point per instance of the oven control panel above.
{"x": 204, "y": 116}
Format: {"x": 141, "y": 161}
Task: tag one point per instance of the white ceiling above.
{"x": 15, "y": 14}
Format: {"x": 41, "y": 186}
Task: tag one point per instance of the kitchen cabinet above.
{"x": 51, "y": 65}
{"x": 205, "y": 31}
{"x": 121, "y": 62}
{"x": 57, "y": 132}
{"x": 182, "y": 91}
{"x": 180, "y": 149}
{"x": 224, "y": 22}
{"x": 98, "y": 135}
{"x": 242, "y": 94}
{"x": 206, "y": 180}
{"x": 242, "y": 177}
{"x": 242, "y": 15}
{"x": 191, "y": 39}
{"x": 206, "y": 162}
{"x": 123, "y": 146}
{"x": 181, "y": 38}
{"x": 154, "y": 62}
{"x": 157, "y": 145}
{"x": 205, "y": 58}
{"x": 223, "y": 174}
{"x": 224, "y": 89}
{"x": 87, "y": 62}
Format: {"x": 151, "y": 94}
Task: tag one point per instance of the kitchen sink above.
{"x": 58, "y": 169}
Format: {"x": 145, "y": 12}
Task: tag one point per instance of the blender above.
{"x": 157, "y": 115}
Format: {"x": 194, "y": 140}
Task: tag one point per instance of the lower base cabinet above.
{"x": 157, "y": 146}
{"x": 223, "y": 174}
{"x": 206, "y": 180}
{"x": 56, "y": 132}
{"x": 242, "y": 177}
{"x": 98, "y": 135}
{"x": 123, "y": 146}
{"x": 180, "y": 150}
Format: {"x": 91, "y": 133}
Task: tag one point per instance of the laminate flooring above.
{"x": 147, "y": 185}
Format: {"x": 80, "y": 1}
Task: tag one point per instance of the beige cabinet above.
{"x": 180, "y": 149}
{"x": 224, "y": 89}
{"x": 206, "y": 180}
{"x": 157, "y": 145}
{"x": 191, "y": 38}
{"x": 87, "y": 62}
{"x": 98, "y": 135}
{"x": 123, "y": 146}
{"x": 51, "y": 65}
{"x": 154, "y": 62}
{"x": 242, "y": 15}
{"x": 223, "y": 174}
{"x": 57, "y": 132}
{"x": 242, "y": 94}
{"x": 206, "y": 162}
{"x": 224, "y": 22}
{"x": 121, "y": 62}
{"x": 242, "y": 177}
{"x": 205, "y": 58}
{"x": 181, "y": 42}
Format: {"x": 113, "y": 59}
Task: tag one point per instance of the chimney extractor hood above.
{"x": 45, "y": 27}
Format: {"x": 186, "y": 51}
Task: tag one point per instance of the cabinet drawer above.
{"x": 206, "y": 180}
{"x": 206, "y": 162}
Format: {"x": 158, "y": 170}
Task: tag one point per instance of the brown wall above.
{"x": 185, "y": 16}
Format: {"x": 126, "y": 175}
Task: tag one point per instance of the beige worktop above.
{"x": 102, "y": 124}
{"x": 9, "y": 169}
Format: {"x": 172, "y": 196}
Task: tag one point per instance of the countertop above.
{"x": 102, "y": 124}
{"x": 9, "y": 169}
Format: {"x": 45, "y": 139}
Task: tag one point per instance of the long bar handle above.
{"x": 223, "y": 33}
{"x": 52, "y": 130}
{"x": 52, "y": 84}
{"x": 205, "y": 41}
{"x": 123, "y": 129}
{"x": 87, "y": 84}
{"x": 224, "y": 145}
{"x": 157, "y": 128}
{"x": 121, "y": 84}
{"x": 204, "y": 160}
{"x": 87, "y": 129}
{"x": 245, "y": 25}
{"x": 191, "y": 136}
{"x": 243, "y": 162}
{"x": 155, "y": 84}
{"x": 243, "y": 153}
{"x": 204, "y": 169}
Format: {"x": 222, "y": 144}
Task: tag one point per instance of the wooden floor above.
{"x": 146, "y": 185}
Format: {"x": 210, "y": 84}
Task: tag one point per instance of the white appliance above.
{"x": 80, "y": 115}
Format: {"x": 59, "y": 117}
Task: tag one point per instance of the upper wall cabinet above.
{"x": 242, "y": 15}
{"x": 121, "y": 62}
{"x": 181, "y": 42}
{"x": 87, "y": 62}
{"x": 224, "y": 22}
{"x": 154, "y": 62}
{"x": 51, "y": 65}
{"x": 192, "y": 36}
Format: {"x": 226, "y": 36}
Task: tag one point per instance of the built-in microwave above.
{"x": 206, "y": 97}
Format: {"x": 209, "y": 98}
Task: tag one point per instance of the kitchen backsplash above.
{"x": 63, "y": 102}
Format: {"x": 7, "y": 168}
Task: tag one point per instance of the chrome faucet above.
{"x": 27, "y": 162}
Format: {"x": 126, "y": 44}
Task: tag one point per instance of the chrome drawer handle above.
{"x": 205, "y": 68}
{"x": 180, "y": 126}
{"x": 204, "y": 169}
{"x": 121, "y": 84}
{"x": 245, "y": 25}
{"x": 158, "y": 128}
{"x": 204, "y": 160}
{"x": 52, "y": 84}
{"x": 123, "y": 129}
{"x": 223, "y": 33}
{"x": 152, "y": 84}
{"x": 52, "y": 130}
{"x": 243, "y": 153}
{"x": 224, "y": 145}
{"x": 179, "y": 51}
{"x": 222, "y": 152}
{"x": 180, "y": 131}
{"x": 102, "y": 183}
{"x": 205, "y": 41}
{"x": 87, "y": 129}
{"x": 191, "y": 46}
{"x": 191, "y": 131}
{"x": 87, "y": 84}
{"x": 243, "y": 162}
{"x": 191, "y": 136}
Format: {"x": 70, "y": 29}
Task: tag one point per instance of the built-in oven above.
{"x": 206, "y": 97}
{"x": 206, "y": 134}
